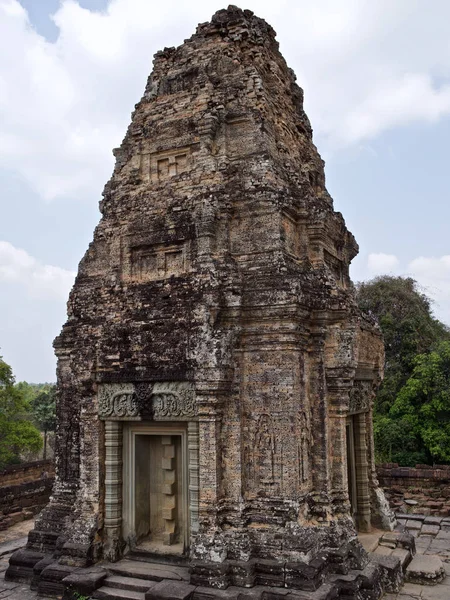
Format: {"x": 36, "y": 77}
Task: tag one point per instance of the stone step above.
{"x": 170, "y": 590}
{"x": 153, "y": 557}
{"x": 327, "y": 591}
{"x": 405, "y": 557}
{"x": 107, "y": 593}
{"x": 150, "y": 571}
{"x": 425, "y": 569}
{"x": 128, "y": 583}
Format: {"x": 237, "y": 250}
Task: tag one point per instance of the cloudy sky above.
{"x": 376, "y": 77}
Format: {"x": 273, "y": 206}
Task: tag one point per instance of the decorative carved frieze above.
{"x": 150, "y": 262}
{"x": 160, "y": 401}
{"x": 173, "y": 399}
{"x": 360, "y": 396}
{"x": 117, "y": 400}
{"x": 160, "y": 166}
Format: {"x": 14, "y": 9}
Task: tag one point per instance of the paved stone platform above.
{"x": 11, "y": 589}
{"x": 432, "y": 538}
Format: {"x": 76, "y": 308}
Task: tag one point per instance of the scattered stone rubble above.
{"x": 423, "y": 490}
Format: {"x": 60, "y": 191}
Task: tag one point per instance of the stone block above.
{"x": 242, "y": 573}
{"x": 429, "y": 529}
{"x": 390, "y": 570}
{"x": 170, "y": 590}
{"x": 133, "y": 584}
{"x": 302, "y": 576}
{"x": 425, "y": 570}
{"x": 410, "y": 517}
{"x": 384, "y": 550}
{"x": 21, "y": 565}
{"x": 414, "y": 524}
{"x": 406, "y": 540}
{"x": 269, "y": 572}
{"x": 86, "y": 581}
{"x": 38, "y": 568}
{"x": 105, "y": 593}
{"x": 438, "y": 592}
{"x": 51, "y": 579}
{"x": 214, "y": 575}
{"x": 337, "y": 560}
{"x": 348, "y": 585}
{"x": 404, "y": 556}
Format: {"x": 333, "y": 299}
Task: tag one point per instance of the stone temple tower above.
{"x": 215, "y": 375}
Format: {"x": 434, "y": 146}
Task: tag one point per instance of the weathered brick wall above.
{"x": 422, "y": 489}
{"x": 24, "y": 490}
{"x": 17, "y": 474}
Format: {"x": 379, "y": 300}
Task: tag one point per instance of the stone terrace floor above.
{"x": 12, "y": 539}
{"x": 432, "y": 538}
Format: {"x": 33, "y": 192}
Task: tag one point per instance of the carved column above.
{"x": 362, "y": 473}
{"x": 113, "y": 488}
{"x": 169, "y": 490}
{"x": 209, "y": 459}
{"x": 193, "y": 465}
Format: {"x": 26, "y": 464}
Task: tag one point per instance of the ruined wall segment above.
{"x": 219, "y": 265}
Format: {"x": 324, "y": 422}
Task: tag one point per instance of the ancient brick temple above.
{"x": 215, "y": 375}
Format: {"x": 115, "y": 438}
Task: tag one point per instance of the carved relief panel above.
{"x": 360, "y": 396}
{"x": 304, "y": 437}
{"x": 157, "y": 261}
{"x": 262, "y": 456}
{"x": 161, "y": 166}
{"x": 290, "y": 235}
{"x": 240, "y": 137}
{"x": 335, "y": 265}
{"x": 160, "y": 401}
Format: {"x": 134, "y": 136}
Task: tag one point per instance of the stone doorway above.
{"x": 351, "y": 468}
{"x": 155, "y": 516}
{"x": 358, "y": 470}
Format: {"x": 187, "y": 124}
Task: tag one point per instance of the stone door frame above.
{"x": 130, "y": 431}
{"x": 117, "y": 502}
{"x": 351, "y": 466}
{"x": 160, "y": 404}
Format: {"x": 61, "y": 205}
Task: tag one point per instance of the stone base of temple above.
{"x": 345, "y": 572}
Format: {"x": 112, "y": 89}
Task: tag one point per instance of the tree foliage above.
{"x": 17, "y": 432}
{"x": 424, "y": 402}
{"x": 410, "y": 330}
{"x": 43, "y": 407}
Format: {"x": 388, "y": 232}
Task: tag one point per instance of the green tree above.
{"x": 408, "y": 325}
{"x": 31, "y": 390}
{"x": 424, "y": 402}
{"x": 44, "y": 412}
{"x": 17, "y": 433}
{"x": 396, "y": 441}
{"x": 409, "y": 329}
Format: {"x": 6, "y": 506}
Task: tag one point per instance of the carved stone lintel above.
{"x": 160, "y": 401}
{"x": 360, "y": 396}
{"x": 172, "y": 400}
{"x": 117, "y": 400}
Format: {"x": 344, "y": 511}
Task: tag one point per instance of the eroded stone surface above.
{"x": 425, "y": 569}
{"x": 214, "y": 306}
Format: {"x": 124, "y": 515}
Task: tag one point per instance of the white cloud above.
{"x": 433, "y": 273}
{"x": 381, "y": 264}
{"x": 17, "y": 266}
{"x": 66, "y": 104}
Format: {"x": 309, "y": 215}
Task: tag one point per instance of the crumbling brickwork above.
{"x": 215, "y": 298}
{"x": 422, "y": 490}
